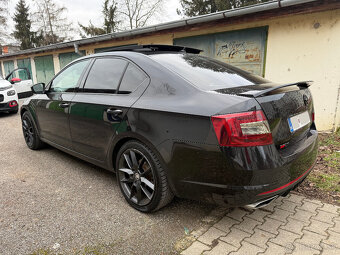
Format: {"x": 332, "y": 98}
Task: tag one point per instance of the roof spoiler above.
{"x": 300, "y": 84}
{"x": 154, "y": 47}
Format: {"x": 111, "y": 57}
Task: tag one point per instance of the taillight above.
{"x": 242, "y": 129}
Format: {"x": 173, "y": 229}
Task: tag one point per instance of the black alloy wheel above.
{"x": 30, "y": 133}
{"x": 141, "y": 177}
{"x": 136, "y": 177}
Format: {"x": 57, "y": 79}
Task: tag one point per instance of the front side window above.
{"x": 105, "y": 75}
{"x": 133, "y": 77}
{"x": 68, "y": 80}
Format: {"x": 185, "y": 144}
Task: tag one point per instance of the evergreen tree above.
{"x": 110, "y": 16}
{"x": 110, "y": 21}
{"x": 192, "y": 8}
{"x": 23, "y": 26}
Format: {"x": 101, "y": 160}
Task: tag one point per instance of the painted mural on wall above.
{"x": 242, "y": 48}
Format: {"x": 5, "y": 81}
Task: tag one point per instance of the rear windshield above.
{"x": 207, "y": 73}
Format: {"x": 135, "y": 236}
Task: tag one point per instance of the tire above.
{"x": 143, "y": 183}
{"x": 30, "y": 133}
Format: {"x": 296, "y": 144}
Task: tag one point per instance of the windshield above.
{"x": 207, "y": 73}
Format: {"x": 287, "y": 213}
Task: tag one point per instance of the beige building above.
{"x": 284, "y": 41}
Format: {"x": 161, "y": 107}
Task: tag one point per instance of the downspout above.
{"x": 76, "y": 49}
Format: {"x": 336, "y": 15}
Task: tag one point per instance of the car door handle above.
{"x": 114, "y": 112}
{"x": 64, "y": 105}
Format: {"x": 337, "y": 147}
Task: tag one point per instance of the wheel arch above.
{"x": 120, "y": 140}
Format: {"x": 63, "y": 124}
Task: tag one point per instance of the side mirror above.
{"x": 15, "y": 80}
{"x": 38, "y": 88}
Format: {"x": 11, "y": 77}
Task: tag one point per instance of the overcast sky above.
{"x": 84, "y": 10}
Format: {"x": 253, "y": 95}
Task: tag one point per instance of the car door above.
{"x": 99, "y": 109}
{"x": 53, "y": 110}
{"x": 22, "y": 81}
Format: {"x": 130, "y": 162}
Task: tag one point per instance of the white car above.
{"x": 8, "y": 97}
{"x": 21, "y": 80}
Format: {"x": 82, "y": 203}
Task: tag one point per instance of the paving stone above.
{"x": 288, "y": 206}
{"x": 275, "y": 249}
{"x": 271, "y": 225}
{"x": 259, "y": 238}
{"x": 280, "y": 215}
{"x": 211, "y": 235}
{"x": 330, "y": 208}
{"x": 333, "y": 239}
{"x": 302, "y": 215}
{"x": 294, "y": 198}
{"x": 237, "y": 214}
{"x": 329, "y": 250}
{"x": 311, "y": 239}
{"x": 225, "y": 224}
{"x": 258, "y": 215}
{"x": 235, "y": 237}
{"x": 294, "y": 226}
{"x": 314, "y": 201}
{"x": 220, "y": 249}
{"x": 285, "y": 239}
{"x": 270, "y": 208}
{"x": 195, "y": 248}
{"x": 324, "y": 217}
{"x": 248, "y": 249}
{"x": 309, "y": 206}
{"x": 278, "y": 201}
{"x": 247, "y": 225}
{"x": 318, "y": 227}
{"x": 304, "y": 250}
{"x": 336, "y": 227}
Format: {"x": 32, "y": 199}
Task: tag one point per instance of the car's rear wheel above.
{"x": 31, "y": 136}
{"x": 142, "y": 178}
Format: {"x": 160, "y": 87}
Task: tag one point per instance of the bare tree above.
{"x": 139, "y": 12}
{"x": 51, "y": 21}
{"x": 3, "y": 21}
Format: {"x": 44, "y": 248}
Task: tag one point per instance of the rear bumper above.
{"x": 241, "y": 176}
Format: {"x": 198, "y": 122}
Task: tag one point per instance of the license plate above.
{"x": 298, "y": 121}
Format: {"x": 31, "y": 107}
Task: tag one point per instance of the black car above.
{"x": 171, "y": 122}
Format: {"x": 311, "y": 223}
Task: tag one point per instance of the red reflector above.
{"x": 242, "y": 129}
{"x": 282, "y": 146}
{"x": 313, "y": 116}
{"x": 13, "y": 104}
{"x": 286, "y": 185}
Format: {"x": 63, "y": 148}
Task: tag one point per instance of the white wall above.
{"x": 307, "y": 47}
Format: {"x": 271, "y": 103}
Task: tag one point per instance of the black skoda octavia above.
{"x": 171, "y": 122}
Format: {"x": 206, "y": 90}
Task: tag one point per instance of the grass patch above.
{"x": 326, "y": 174}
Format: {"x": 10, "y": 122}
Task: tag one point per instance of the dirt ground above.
{"x": 324, "y": 181}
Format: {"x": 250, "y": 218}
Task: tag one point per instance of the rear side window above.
{"x": 133, "y": 77}
{"x": 206, "y": 73}
{"x": 105, "y": 75}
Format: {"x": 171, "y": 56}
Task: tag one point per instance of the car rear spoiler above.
{"x": 256, "y": 93}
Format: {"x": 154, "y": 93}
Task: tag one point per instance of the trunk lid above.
{"x": 280, "y": 103}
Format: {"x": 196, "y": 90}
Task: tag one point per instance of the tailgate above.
{"x": 288, "y": 108}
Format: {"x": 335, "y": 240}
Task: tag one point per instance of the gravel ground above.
{"x": 48, "y": 198}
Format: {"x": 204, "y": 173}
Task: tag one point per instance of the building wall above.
{"x": 299, "y": 47}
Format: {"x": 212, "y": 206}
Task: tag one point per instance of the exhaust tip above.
{"x": 261, "y": 204}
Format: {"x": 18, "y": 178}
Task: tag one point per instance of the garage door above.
{"x": 242, "y": 48}
{"x": 44, "y": 68}
{"x": 66, "y": 58}
{"x": 9, "y": 66}
{"x": 24, "y": 63}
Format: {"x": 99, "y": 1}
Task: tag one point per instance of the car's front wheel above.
{"x": 142, "y": 178}
{"x": 31, "y": 135}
